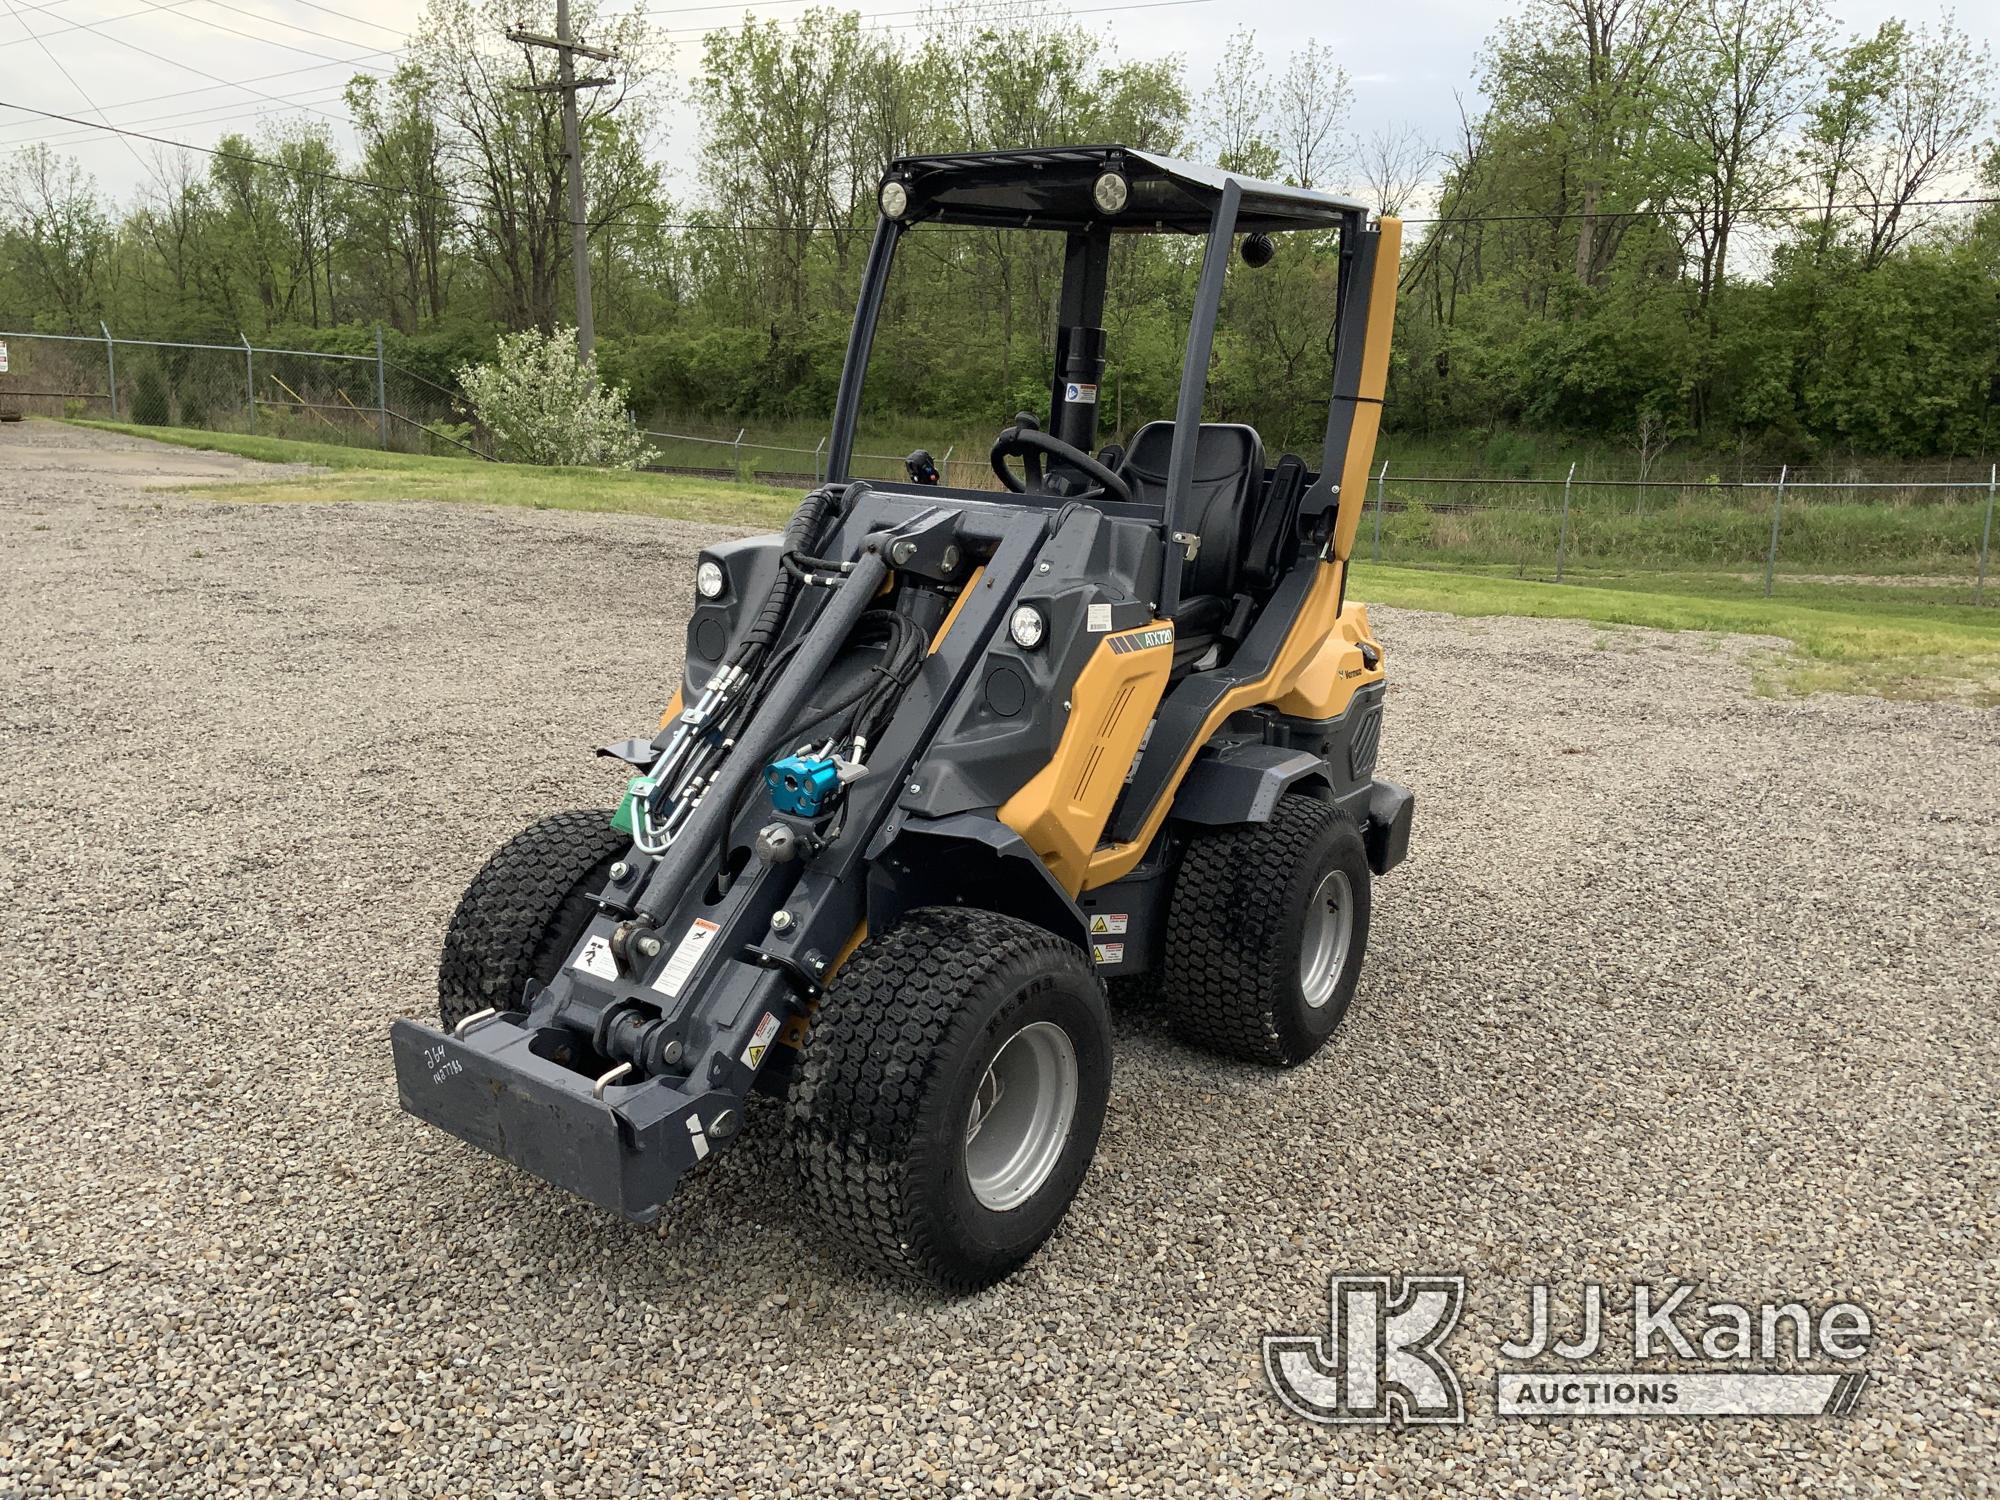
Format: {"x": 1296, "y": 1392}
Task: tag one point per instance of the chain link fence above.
{"x": 365, "y": 400}
{"x": 757, "y": 461}
{"x": 1833, "y": 525}
{"x": 1815, "y": 523}
{"x": 1811, "y": 522}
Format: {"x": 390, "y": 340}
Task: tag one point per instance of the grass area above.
{"x": 1882, "y": 640}
{"x": 345, "y": 473}
{"x": 1681, "y": 529}
{"x": 1894, "y": 637}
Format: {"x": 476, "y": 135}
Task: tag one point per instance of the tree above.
{"x": 503, "y": 143}
{"x": 1393, "y": 163}
{"x": 59, "y": 234}
{"x": 409, "y": 225}
{"x": 1731, "y": 98}
{"x": 1234, "y": 119}
{"x": 179, "y": 269}
{"x": 1933, "y": 118}
{"x": 1582, "y": 76}
{"x": 1314, "y": 95}
{"x": 1846, "y": 116}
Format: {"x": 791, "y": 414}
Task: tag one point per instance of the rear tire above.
{"x": 951, "y": 1094}
{"x": 1266, "y": 934}
{"x": 524, "y": 911}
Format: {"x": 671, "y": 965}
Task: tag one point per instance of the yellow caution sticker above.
{"x": 760, "y": 1040}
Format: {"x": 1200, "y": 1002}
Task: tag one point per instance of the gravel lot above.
{"x": 1679, "y": 983}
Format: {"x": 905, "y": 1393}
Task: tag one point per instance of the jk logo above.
{"x": 1380, "y": 1363}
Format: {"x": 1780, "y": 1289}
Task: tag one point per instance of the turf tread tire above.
{"x": 1232, "y": 948}
{"x": 863, "y": 1111}
{"x": 524, "y": 910}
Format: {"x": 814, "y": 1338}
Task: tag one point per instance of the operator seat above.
{"x": 1228, "y": 481}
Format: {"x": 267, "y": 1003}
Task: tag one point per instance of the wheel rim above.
{"x": 1020, "y": 1116}
{"x": 1329, "y": 928}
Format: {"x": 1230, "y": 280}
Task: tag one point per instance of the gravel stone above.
{"x": 1678, "y": 982}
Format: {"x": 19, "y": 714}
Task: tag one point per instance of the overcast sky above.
{"x": 1407, "y": 59}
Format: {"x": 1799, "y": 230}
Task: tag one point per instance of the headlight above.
{"x": 1027, "y": 627}
{"x": 895, "y": 199}
{"x": 1111, "y": 192}
{"x": 708, "y": 579}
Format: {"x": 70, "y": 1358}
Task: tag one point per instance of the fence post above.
{"x": 110, "y": 368}
{"x": 1986, "y": 536}
{"x": 736, "y": 451}
{"x": 819, "y": 471}
{"x": 1777, "y": 512}
{"x": 1562, "y": 535}
{"x": 381, "y": 391}
{"x": 249, "y": 381}
{"x": 1381, "y": 475}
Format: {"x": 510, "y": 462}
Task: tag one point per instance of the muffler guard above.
{"x": 625, "y": 1151}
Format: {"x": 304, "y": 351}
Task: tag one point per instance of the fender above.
{"x": 974, "y": 859}
{"x": 1242, "y": 782}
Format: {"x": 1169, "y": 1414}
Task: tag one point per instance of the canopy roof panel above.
{"x": 1050, "y": 188}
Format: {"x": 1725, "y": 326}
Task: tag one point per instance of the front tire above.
{"x": 524, "y": 911}
{"x": 951, "y": 1094}
{"x": 1266, "y": 934}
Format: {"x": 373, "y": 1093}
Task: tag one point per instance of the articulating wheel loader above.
{"x": 944, "y": 761}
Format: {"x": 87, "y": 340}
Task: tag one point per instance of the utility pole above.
{"x": 567, "y": 49}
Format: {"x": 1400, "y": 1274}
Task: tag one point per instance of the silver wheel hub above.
{"x": 1020, "y": 1117}
{"x": 1323, "y": 944}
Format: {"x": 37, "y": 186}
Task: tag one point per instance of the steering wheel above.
{"x": 1031, "y": 445}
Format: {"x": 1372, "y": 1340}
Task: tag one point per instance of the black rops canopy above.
{"x": 1051, "y": 189}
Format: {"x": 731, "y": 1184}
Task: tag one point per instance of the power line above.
{"x": 203, "y": 115}
{"x": 210, "y": 88}
{"x": 112, "y": 36}
{"x": 101, "y": 21}
{"x": 365, "y": 60}
{"x": 247, "y": 157}
{"x": 343, "y": 15}
{"x": 934, "y": 16}
{"x": 325, "y": 36}
{"x": 213, "y": 25}
{"x": 81, "y": 94}
{"x": 1669, "y": 212}
{"x": 362, "y": 182}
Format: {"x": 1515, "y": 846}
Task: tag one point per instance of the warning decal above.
{"x": 1108, "y": 921}
{"x": 1080, "y": 394}
{"x": 699, "y": 935}
{"x": 596, "y": 959}
{"x": 1108, "y": 953}
{"x": 760, "y": 1040}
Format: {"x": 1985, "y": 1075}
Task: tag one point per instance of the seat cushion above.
{"x": 1228, "y": 474}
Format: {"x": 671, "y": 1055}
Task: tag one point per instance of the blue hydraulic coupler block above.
{"x": 802, "y": 785}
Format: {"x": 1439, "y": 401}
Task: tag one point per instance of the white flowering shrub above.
{"x": 544, "y": 405}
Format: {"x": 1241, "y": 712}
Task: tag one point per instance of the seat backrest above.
{"x": 1228, "y": 476}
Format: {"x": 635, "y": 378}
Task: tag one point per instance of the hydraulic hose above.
{"x": 801, "y": 532}
{"x": 697, "y": 839}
